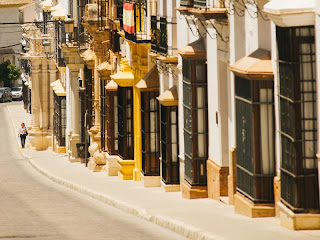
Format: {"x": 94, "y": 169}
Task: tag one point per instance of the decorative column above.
{"x": 75, "y": 111}
{"x": 53, "y": 77}
{"x": 35, "y": 95}
{"x": 44, "y": 88}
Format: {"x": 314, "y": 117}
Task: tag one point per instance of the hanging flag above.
{"x": 128, "y": 17}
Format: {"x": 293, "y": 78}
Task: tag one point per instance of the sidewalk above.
{"x": 195, "y": 219}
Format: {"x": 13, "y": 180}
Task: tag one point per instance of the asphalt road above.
{"x": 33, "y": 207}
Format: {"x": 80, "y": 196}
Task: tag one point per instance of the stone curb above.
{"x": 165, "y": 222}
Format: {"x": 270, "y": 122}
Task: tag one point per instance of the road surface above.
{"x": 33, "y": 207}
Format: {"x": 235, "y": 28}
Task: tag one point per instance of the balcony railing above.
{"x": 159, "y": 39}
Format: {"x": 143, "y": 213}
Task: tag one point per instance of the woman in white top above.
{"x": 23, "y": 134}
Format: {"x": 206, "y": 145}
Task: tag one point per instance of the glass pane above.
{"x": 186, "y": 71}
{"x": 243, "y": 88}
{"x": 266, "y": 131}
{"x": 174, "y": 140}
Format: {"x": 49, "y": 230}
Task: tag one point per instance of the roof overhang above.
{"x": 169, "y": 97}
{"x": 58, "y": 88}
{"x": 291, "y": 13}
{"x": 111, "y": 86}
{"x": 123, "y": 78}
{"x": 195, "y": 50}
{"x": 256, "y": 66}
{"x": 150, "y": 82}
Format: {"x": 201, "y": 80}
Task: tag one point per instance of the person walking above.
{"x": 23, "y": 133}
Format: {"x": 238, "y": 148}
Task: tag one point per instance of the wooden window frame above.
{"x": 255, "y": 171}
{"x": 299, "y": 182}
{"x": 195, "y": 165}
{"x": 125, "y": 123}
{"x": 150, "y": 158}
{"x": 170, "y": 166}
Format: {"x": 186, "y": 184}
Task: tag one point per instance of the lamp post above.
{"x": 69, "y": 25}
{"x": 46, "y": 47}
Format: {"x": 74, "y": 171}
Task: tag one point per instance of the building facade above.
{"x": 216, "y": 99}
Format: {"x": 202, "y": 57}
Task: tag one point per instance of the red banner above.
{"x": 128, "y": 17}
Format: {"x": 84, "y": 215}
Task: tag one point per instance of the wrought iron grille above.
{"x": 82, "y": 117}
{"x": 125, "y": 123}
{"x": 102, "y": 13}
{"x": 103, "y": 116}
{"x": 169, "y": 144}
{"x": 154, "y": 33}
{"x": 195, "y": 110}
{"x": 255, "y": 139}
{"x": 141, "y": 34}
{"x": 298, "y": 120}
{"x": 88, "y": 97}
{"x": 150, "y": 133}
{"x": 112, "y": 122}
{"x": 59, "y": 119}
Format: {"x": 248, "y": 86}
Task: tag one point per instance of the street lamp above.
{"x": 69, "y": 25}
{"x": 46, "y": 47}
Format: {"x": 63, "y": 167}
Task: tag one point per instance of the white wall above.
{"x": 10, "y": 34}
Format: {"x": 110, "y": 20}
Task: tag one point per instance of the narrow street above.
{"x": 33, "y": 207}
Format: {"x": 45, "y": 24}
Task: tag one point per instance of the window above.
{"x": 298, "y": 121}
{"x": 103, "y": 115}
{"x": 112, "y": 122}
{"x": 150, "y": 133}
{"x": 255, "y": 139}
{"x": 88, "y": 97}
{"x": 169, "y": 144}
{"x": 195, "y": 108}
{"x": 59, "y": 119}
{"x": 125, "y": 122}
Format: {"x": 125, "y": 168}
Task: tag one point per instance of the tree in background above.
{"x": 9, "y": 73}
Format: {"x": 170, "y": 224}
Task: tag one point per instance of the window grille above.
{"x": 150, "y": 133}
{"x": 298, "y": 120}
{"x": 125, "y": 123}
{"x": 195, "y": 108}
{"x": 255, "y": 139}
{"x": 169, "y": 144}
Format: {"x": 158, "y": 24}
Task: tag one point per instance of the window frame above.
{"x": 253, "y": 181}
{"x": 295, "y": 176}
{"x": 170, "y": 168}
{"x": 125, "y": 123}
{"x": 150, "y": 158}
{"x": 195, "y": 165}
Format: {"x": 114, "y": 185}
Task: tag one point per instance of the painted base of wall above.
{"x": 39, "y": 140}
{"x": 295, "y": 221}
{"x": 277, "y": 192}
{"x": 244, "y": 206}
{"x": 72, "y": 152}
{"x": 193, "y": 192}
{"x": 217, "y": 180}
{"x": 136, "y": 174}
{"x": 150, "y": 181}
{"x": 112, "y": 166}
{"x": 232, "y": 178}
{"x": 126, "y": 169}
{"x": 170, "y": 187}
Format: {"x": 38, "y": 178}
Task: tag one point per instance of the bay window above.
{"x": 255, "y": 139}
{"x": 112, "y": 122}
{"x": 169, "y": 144}
{"x": 298, "y": 118}
{"x": 59, "y": 119}
{"x": 125, "y": 123}
{"x": 195, "y": 108}
{"x": 150, "y": 133}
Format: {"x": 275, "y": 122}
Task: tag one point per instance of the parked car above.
{"x": 5, "y": 94}
{"x": 16, "y": 93}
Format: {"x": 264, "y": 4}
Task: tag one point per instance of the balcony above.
{"x": 159, "y": 40}
{"x": 203, "y": 9}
